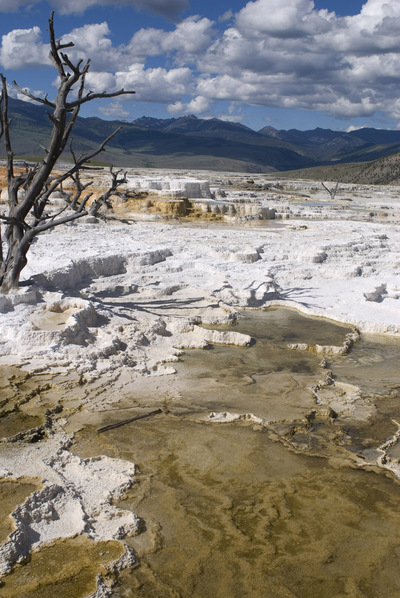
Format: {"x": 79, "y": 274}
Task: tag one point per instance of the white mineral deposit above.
{"x": 117, "y": 301}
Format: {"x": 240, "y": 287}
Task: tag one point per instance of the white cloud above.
{"x": 177, "y": 108}
{"x": 185, "y": 43}
{"x": 93, "y": 41}
{"x": 281, "y": 53}
{"x": 23, "y": 48}
{"x": 190, "y": 37}
{"x": 151, "y": 85}
{"x": 13, "y": 92}
{"x": 381, "y": 8}
{"x": 281, "y": 18}
{"x": 13, "y": 5}
{"x": 344, "y": 107}
{"x": 395, "y": 108}
{"x": 285, "y": 53}
{"x": 114, "y": 110}
{"x": 231, "y": 118}
{"x": 227, "y": 16}
{"x": 99, "y": 81}
{"x": 146, "y": 42}
{"x": 199, "y": 105}
{"x": 168, "y": 8}
{"x": 354, "y": 128}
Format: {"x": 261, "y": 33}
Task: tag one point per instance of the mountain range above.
{"x": 194, "y": 143}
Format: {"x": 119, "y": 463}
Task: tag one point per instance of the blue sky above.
{"x": 283, "y": 63}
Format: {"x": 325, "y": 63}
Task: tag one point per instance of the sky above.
{"x": 282, "y": 63}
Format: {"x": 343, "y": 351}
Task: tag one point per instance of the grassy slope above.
{"x": 137, "y": 146}
{"x": 220, "y": 146}
{"x": 384, "y": 171}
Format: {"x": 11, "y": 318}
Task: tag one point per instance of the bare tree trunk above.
{"x": 332, "y": 192}
{"x": 12, "y": 267}
{"x": 1, "y": 247}
{"x": 29, "y": 191}
{"x": 15, "y": 259}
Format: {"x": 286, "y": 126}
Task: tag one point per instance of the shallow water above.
{"x": 293, "y": 507}
{"x": 373, "y": 364}
{"x": 267, "y": 379}
{"x": 239, "y": 509}
{"x": 63, "y": 569}
{"x": 20, "y": 397}
{"x": 12, "y": 493}
{"x": 229, "y": 512}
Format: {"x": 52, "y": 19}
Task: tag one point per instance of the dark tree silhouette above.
{"x": 332, "y": 192}
{"x": 30, "y": 189}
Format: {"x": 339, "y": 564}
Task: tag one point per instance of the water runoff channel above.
{"x": 266, "y": 476}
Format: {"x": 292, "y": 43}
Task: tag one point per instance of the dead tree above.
{"x": 332, "y": 192}
{"x": 29, "y": 191}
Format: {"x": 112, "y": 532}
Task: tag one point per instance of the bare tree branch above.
{"x": 52, "y": 224}
{"x": 6, "y": 132}
{"x": 29, "y": 191}
{"x": 56, "y": 46}
{"x": 26, "y": 93}
{"x": 1, "y": 113}
{"x": 103, "y": 200}
{"x": 95, "y": 96}
{"x": 332, "y": 192}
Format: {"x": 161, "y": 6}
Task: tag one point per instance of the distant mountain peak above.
{"x": 205, "y": 143}
{"x": 151, "y": 122}
{"x": 270, "y": 131}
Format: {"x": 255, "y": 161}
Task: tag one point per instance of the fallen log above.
{"x": 128, "y": 421}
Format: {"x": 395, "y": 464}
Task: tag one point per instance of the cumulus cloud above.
{"x": 277, "y": 53}
{"x": 286, "y": 53}
{"x": 227, "y": 16}
{"x": 190, "y": 37}
{"x": 168, "y": 8}
{"x": 156, "y": 84}
{"x": 355, "y": 128}
{"x": 199, "y": 105}
{"x": 230, "y": 118}
{"x": 281, "y": 18}
{"x": 381, "y": 9}
{"x": 13, "y": 5}
{"x": 186, "y": 42}
{"x": 151, "y": 85}
{"x": 93, "y": 41}
{"x": 23, "y": 48}
{"x": 114, "y": 110}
